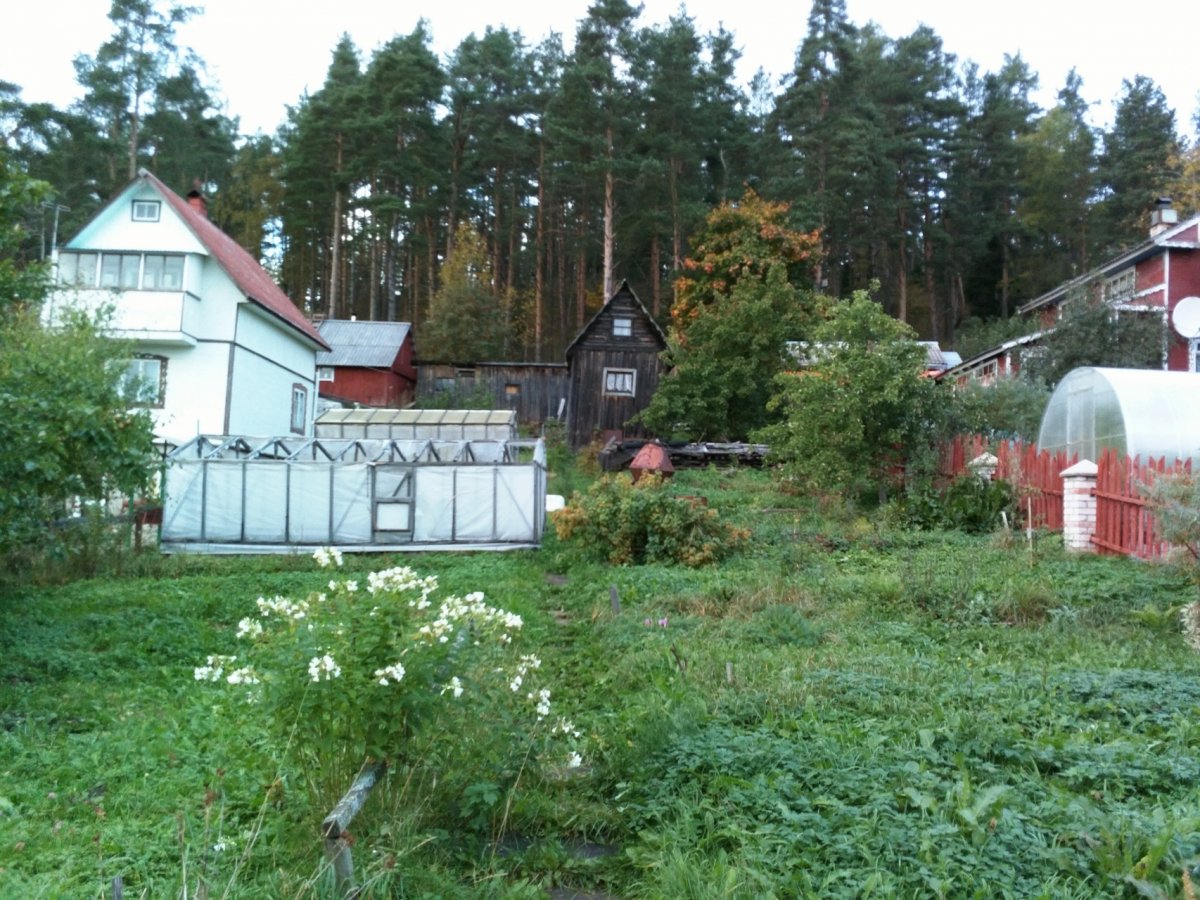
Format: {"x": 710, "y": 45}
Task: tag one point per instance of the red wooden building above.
{"x": 1152, "y": 278}
{"x": 369, "y": 363}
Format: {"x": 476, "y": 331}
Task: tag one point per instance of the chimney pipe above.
{"x": 1163, "y": 217}
{"x": 197, "y": 201}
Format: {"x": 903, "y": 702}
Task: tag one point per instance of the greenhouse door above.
{"x": 393, "y": 503}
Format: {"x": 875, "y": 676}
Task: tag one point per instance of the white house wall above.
{"x": 114, "y": 229}
{"x": 197, "y": 386}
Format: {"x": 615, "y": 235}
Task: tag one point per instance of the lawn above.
{"x": 841, "y": 708}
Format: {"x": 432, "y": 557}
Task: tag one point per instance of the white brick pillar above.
{"x": 984, "y": 466}
{"x": 1079, "y": 506}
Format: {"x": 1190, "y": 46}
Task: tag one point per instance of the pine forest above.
{"x": 545, "y": 173}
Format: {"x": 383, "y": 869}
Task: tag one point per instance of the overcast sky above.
{"x": 265, "y": 54}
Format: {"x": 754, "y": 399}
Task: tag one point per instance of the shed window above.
{"x": 299, "y": 407}
{"x": 146, "y": 210}
{"x": 620, "y": 382}
{"x": 622, "y": 327}
{"x": 324, "y": 373}
{"x": 512, "y": 390}
{"x": 145, "y": 381}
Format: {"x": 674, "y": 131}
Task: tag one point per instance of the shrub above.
{"x": 628, "y": 523}
{"x": 968, "y": 504}
{"x": 357, "y": 670}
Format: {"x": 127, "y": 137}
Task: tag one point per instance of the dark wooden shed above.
{"x": 536, "y": 392}
{"x": 613, "y": 366}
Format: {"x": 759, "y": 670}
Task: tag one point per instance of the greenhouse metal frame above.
{"x": 416, "y": 424}
{"x": 240, "y": 494}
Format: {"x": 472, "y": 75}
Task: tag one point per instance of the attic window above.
{"x": 619, "y": 382}
{"x": 146, "y": 210}
{"x": 622, "y": 327}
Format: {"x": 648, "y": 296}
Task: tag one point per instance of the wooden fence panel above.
{"x": 1124, "y": 521}
{"x": 1036, "y": 476}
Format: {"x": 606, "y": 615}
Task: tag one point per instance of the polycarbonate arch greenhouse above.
{"x": 247, "y": 495}
{"x": 1146, "y": 413}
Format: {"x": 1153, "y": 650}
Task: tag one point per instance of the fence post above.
{"x": 1079, "y": 506}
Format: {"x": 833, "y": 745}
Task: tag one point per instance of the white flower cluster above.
{"x": 389, "y": 674}
{"x": 565, "y": 727}
{"x": 249, "y": 628}
{"x": 214, "y": 670}
{"x": 327, "y": 556}
{"x": 244, "y": 675}
{"x": 349, "y": 586}
{"x": 541, "y": 700}
{"x": 469, "y": 608}
{"x": 454, "y": 686}
{"x": 400, "y": 579}
{"x": 526, "y": 662}
{"x": 282, "y": 606}
{"x": 1189, "y": 619}
{"x": 323, "y": 668}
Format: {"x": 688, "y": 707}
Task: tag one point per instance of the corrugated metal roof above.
{"x": 367, "y": 344}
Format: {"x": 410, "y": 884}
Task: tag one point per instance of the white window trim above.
{"x": 632, "y": 392}
{"x": 299, "y": 390}
{"x": 325, "y": 373}
{"x": 146, "y": 207}
{"x": 627, "y": 326}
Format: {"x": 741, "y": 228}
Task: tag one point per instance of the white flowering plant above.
{"x": 358, "y": 667}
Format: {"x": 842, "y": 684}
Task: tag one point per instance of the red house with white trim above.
{"x": 368, "y": 363}
{"x": 1151, "y": 278}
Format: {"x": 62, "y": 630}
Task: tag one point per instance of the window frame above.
{"x": 152, "y": 211}
{"x": 626, "y": 326}
{"x": 138, "y": 399}
{"x": 126, "y": 271}
{"x": 607, "y": 387}
{"x": 299, "y": 391}
{"x": 325, "y": 373}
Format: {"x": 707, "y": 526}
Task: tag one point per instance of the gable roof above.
{"x": 628, "y": 291}
{"x": 1169, "y": 238}
{"x": 242, "y": 268}
{"x": 366, "y": 344}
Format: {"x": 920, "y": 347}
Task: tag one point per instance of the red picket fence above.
{"x": 1124, "y": 522}
{"x": 1035, "y": 475}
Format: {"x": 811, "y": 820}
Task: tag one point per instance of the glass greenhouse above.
{"x": 243, "y": 495}
{"x": 1138, "y": 412}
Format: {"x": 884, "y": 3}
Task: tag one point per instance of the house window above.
{"x": 1120, "y": 287}
{"x": 121, "y": 271}
{"x": 77, "y": 269}
{"x": 1194, "y": 355}
{"x": 622, "y": 327}
{"x": 324, "y": 373}
{"x": 619, "y": 382}
{"x": 299, "y": 408}
{"x": 146, "y": 210}
{"x": 162, "y": 273}
{"x": 145, "y": 381}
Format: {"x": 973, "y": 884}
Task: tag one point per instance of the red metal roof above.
{"x": 250, "y": 277}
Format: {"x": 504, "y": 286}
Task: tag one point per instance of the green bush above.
{"x": 968, "y": 504}
{"x": 629, "y": 523}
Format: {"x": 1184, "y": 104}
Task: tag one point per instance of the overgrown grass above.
{"x": 841, "y": 709}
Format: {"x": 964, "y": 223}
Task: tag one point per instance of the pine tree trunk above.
{"x": 539, "y": 256}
